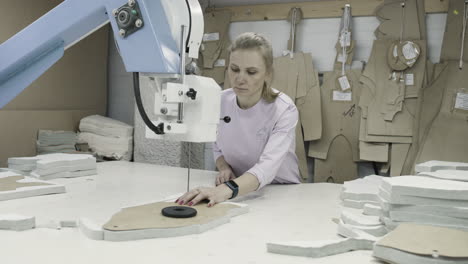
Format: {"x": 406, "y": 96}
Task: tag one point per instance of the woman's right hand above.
{"x": 224, "y": 176}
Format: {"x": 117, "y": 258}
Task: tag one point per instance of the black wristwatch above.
{"x": 234, "y": 187}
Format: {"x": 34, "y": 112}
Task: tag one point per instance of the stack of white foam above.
{"x": 359, "y": 225}
{"x": 23, "y": 165}
{"x": 106, "y": 137}
{"x": 361, "y": 192}
{"x": 56, "y": 142}
{"x": 436, "y": 196}
{"x": 52, "y": 166}
{"x": 416, "y": 205}
{"x": 362, "y": 211}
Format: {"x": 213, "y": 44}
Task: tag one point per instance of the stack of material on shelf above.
{"x": 106, "y": 137}
{"x": 56, "y": 141}
{"x": 416, "y": 243}
{"x": 52, "y": 166}
{"x": 440, "y": 199}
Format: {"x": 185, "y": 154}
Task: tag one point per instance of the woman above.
{"x": 258, "y": 146}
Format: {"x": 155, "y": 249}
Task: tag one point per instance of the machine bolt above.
{"x": 181, "y": 93}
{"x": 163, "y": 110}
{"x": 115, "y": 12}
{"x": 168, "y": 127}
{"x": 122, "y": 32}
{"x": 131, "y": 3}
{"x": 192, "y": 94}
{"x": 138, "y": 23}
{"x": 164, "y": 98}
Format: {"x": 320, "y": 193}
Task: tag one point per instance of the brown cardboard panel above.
{"x": 427, "y": 240}
{"x": 339, "y": 165}
{"x": 12, "y": 183}
{"x": 18, "y": 129}
{"x": 149, "y": 216}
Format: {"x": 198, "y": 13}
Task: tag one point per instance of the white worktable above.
{"x": 277, "y": 213}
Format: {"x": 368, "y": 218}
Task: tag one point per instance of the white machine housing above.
{"x": 200, "y": 116}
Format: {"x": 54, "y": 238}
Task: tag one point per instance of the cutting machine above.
{"x": 155, "y": 39}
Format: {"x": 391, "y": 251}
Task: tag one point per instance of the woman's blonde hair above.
{"x": 250, "y": 40}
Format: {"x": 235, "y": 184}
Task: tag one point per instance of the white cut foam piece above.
{"x": 105, "y": 126}
{"x": 173, "y": 232}
{"x": 366, "y": 189}
{"x": 351, "y": 231}
{"x": 376, "y": 231}
{"x": 318, "y": 249}
{"x": 63, "y": 159}
{"x": 392, "y": 255}
{"x": 50, "y": 224}
{"x": 20, "y": 172}
{"x": 65, "y": 174}
{"x": 352, "y": 218}
{"x": 90, "y": 229}
{"x": 425, "y": 187}
{"x": 422, "y": 218}
{"x": 435, "y": 165}
{"x": 386, "y": 198}
{"x": 370, "y": 209}
{"x": 17, "y": 222}
{"x": 50, "y": 160}
{"x": 23, "y": 160}
{"x": 29, "y": 191}
{"x": 54, "y": 170}
{"x": 22, "y": 167}
{"x": 454, "y": 175}
{"x": 68, "y": 223}
{"x": 389, "y": 223}
{"x": 459, "y": 212}
{"x": 358, "y": 204}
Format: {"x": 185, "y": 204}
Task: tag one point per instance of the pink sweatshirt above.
{"x": 259, "y": 140}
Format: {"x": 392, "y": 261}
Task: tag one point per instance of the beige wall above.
{"x": 76, "y": 86}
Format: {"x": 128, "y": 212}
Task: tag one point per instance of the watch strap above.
{"x": 234, "y": 187}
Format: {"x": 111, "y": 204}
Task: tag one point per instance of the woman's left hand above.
{"x": 214, "y": 195}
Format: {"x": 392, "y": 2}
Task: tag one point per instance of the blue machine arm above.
{"x": 28, "y": 54}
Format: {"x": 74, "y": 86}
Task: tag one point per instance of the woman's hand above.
{"x": 214, "y": 195}
{"x": 224, "y": 176}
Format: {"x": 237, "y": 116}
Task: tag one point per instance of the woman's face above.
{"x": 247, "y": 72}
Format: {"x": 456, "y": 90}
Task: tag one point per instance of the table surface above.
{"x": 300, "y": 212}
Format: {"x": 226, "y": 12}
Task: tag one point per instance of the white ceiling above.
{"x": 221, "y": 3}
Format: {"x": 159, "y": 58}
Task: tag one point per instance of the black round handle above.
{"x": 226, "y": 119}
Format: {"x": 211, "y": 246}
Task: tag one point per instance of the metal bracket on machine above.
{"x": 128, "y": 18}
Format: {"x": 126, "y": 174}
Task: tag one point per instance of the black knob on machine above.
{"x": 226, "y": 119}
